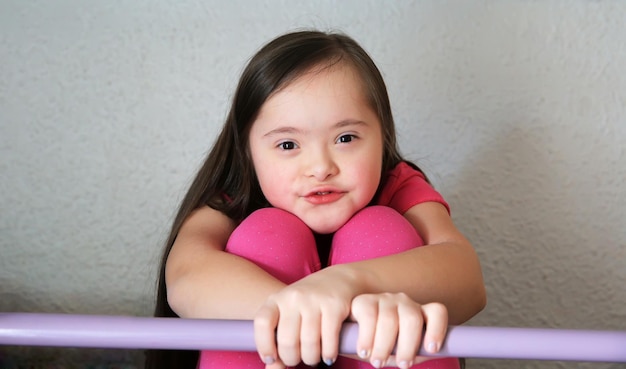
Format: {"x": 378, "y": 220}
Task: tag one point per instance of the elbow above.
{"x": 181, "y": 301}
{"x": 177, "y": 298}
{"x": 477, "y": 293}
{"x": 476, "y": 302}
{"x": 480, "y": 292}
{"x": 174, "y": 298}
{"x": 468, "y": 307}
{"x": 468, "y": 304}
{"x": 481, "y": 298}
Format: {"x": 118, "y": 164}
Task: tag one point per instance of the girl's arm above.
{"x": 199, "y": 273}
{"x": 445, "y": 270}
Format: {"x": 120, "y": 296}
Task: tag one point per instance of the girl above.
{"x": 305, "y": 214}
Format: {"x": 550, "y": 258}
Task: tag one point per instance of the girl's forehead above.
{"x": 337, "y": 79}
{"x": 321, "y": 96}
{"x": 319, "y": 101}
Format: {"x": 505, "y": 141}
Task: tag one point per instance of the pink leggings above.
{"x": 285, "y": 247}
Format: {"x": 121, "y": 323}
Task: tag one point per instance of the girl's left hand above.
{"x": 389, "y": 320}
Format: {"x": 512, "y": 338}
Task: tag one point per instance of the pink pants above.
{"x": 285, "y": 247}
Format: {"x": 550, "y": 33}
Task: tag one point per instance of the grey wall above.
{"x": 517, "y": 110}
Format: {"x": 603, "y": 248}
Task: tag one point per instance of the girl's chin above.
{"x": 325, "y": 227}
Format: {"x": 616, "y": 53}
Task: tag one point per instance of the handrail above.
{"x": 128, "y": 332}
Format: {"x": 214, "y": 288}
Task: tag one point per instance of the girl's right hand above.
{"x": 302, "y": 322}
{"x": 389, "y": 320}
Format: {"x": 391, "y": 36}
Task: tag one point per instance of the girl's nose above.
{"x": 321, "y": 166}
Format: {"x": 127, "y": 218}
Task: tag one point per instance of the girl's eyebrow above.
{"x": 350, "y": 122}
{"x": 283, "y": 130}
{"x": 293, "y": 130}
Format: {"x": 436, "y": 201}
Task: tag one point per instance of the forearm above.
{"x": 204, "y": 281}
{"x": 448, "y": 273}
{"x": 220, "y": 286}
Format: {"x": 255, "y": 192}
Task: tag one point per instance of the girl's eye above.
{"x": 287, "y": 145}
{"x": 346, "y": 138}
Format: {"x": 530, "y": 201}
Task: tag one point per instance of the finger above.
{"x": 436, "y": 319}
{"x": 365, "y": 312}
{"x": 410, "y": 330}
{"x": 310, "y": 339}
{"x": 386, "y": 333}
{"x": 265, "y": 323}
{"x": 330, "y": 331}
{"x": 276, "y": 365}
{"x": 288, "y": 338}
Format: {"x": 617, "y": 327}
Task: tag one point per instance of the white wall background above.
{"x": 517, "y": 110}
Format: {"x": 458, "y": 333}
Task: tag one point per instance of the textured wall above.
{"x": 517, "y": 110}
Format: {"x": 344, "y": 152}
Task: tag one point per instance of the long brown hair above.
{"x": 228, "y": 172}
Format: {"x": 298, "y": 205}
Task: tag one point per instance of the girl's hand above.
{"x": 389, "y": 320}
{"x": 302, "y": 322}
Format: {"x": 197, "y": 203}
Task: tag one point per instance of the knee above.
{"x": 374, "y": 231}
{"x": 380, "y": 218}
{"x": 373, "y": 214}
{"x": 269, "y": 226}
{"x": 277, "y": 241}
{"x": 273, "y": 219}
{"x": 390, "y": 223}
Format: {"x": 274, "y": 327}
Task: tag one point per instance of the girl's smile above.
{"x": 317, "y": 148}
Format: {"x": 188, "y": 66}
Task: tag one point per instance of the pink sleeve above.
{"x": 407, "y": 187}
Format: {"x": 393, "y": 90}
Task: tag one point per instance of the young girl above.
{"x": 305, "y": 214}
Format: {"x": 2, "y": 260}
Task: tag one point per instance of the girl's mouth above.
{"x": 323, "y": 197}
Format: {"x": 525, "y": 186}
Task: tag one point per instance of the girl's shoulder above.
{"x": 405, "y": 170}
{"x": 207, "y": 220}
{"x": 405, "y": 186}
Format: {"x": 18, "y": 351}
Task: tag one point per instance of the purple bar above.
{"x": 535, "y": 344}
{"x": 29, "y": 329}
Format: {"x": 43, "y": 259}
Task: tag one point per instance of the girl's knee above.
{"x": 274, "y": 218}
{"x": 382, "y": 220}
{"x": 271, "y": 225}
{"x": 372, "y": 215}
{"x": 373, "y": 232}
{"x": 277, "y": 241}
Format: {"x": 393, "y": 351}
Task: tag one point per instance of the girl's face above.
{"x": 317, "y": 148}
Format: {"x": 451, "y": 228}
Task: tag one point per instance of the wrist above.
{"x": 357, "y": 279}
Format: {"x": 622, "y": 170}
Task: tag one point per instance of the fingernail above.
{"x": 404, "y": 364}
{"x": 329, "y": 362}
{"x": 377, "y": 364}
{"x": 432, "y": 347}
{"x": 268, "y": 360}
{"x": 363, "y": 354}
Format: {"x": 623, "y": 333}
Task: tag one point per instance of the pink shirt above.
{"x": 406, "y": 187}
